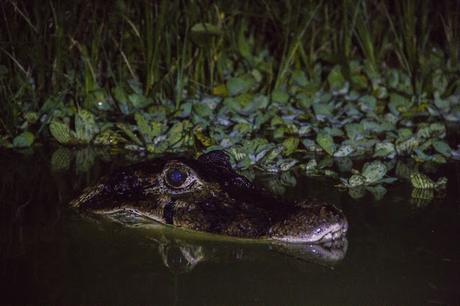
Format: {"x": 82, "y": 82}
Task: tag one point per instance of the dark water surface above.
{"x": 399, "y": 253}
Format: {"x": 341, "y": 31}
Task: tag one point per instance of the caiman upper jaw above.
{"x": 119, "y": 187}
{"x": 91, "y": 195}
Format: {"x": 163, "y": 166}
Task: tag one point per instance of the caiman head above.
{"x": 206, "y": 194}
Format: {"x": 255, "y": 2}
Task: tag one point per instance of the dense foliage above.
{"x": 278, "y": 84}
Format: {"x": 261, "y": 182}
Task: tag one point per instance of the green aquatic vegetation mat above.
{"x": 354, "y": 136}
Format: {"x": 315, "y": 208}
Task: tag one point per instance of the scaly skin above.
{"x": 208, "y": 195}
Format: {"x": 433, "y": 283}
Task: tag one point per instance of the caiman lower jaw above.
{"x": 327, "y": 253}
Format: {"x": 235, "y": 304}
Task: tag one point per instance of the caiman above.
{"x": 206, "y": 194}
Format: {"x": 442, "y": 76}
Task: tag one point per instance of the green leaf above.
{"x": 368, "y": 103}
{"x": 202, "y": 110}
{"x": 108, "y": 138}
{"x": 304, "y": 100}
{"x": 258, "y": 103}
{"x": 280, "y": 96}
{"x": 239, "y": 85}
{"x": 359, "y": 81}
{"x": 157, "y": 128}
{"x": 440, "y": 81}
{"x": 442, "y": 147}
{"x": 421, "y": 181}
{"x": 244, "y": 47}
{"x": 128, "y": 132}
{"x": 399, "y": 104}
{"x": 384, "y": 149}
{"x": 31, "y": 117}
{"x": 335, "y": 79}
{"x": 393, "y": 78}
{"x": 61, "y": 132}
{"x": 326, "y": 142}
{"x": 343, "y": 151}
{"x": 204, "y": 33}
{"x": 85, "y": 126}
{"x": 206, "y": 28}
{"x": 290, "y": 145}
{"x": 299, "y": 78}
{"x": 97, "y": 99}
{"x": 120, "y": 96}
{"x": 136, "y": 86}
{"x": 439, "y": 159}
{"x": 139, "y": 101}
{"x": 374, "y": 171}
{"x": 356, "y": 180}
{"x": 24, "y": 140}
{"x": 323, "y": 109}
{"x": 355, "y": 131}
{"x": 144, "y": 127}
{"x": 176, "y": 133}
{"x": 243, "y": 101}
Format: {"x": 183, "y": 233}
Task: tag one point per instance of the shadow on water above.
{"x": 398, "y": 253}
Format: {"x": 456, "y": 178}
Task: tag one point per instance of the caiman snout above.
{"x": 313, "y": 223}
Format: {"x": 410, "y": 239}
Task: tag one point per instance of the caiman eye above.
{"x": 176, "y": 177}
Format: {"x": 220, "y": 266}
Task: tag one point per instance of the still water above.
{"x": 400, "y": 252}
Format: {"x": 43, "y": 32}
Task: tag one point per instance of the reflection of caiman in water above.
{"x": 181, "y": 252}
{"x": 207, "y": 195}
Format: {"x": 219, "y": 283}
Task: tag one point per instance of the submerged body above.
{"x": 207, "y": 195}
